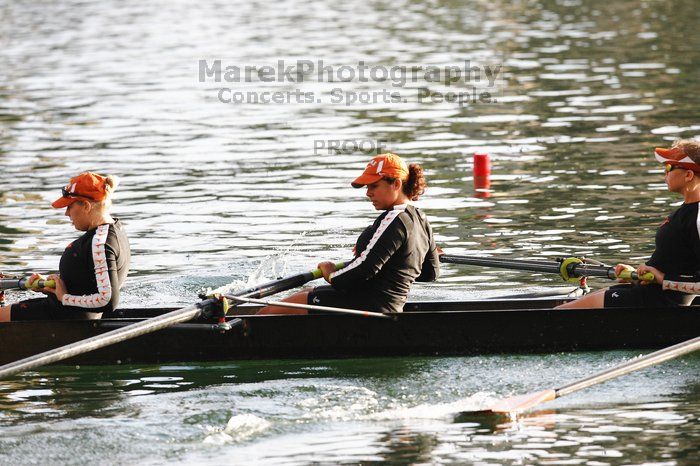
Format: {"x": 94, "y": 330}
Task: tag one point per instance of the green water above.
{"x": 379, "y": 410}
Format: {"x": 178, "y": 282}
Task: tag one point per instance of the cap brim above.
{"x": 671, "y": 156}
{"x": 365, "y": 179}
{"x": 663, "y": 155}
{"x": 63, "y": 201}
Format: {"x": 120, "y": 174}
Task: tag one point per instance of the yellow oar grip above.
{"x": 625, "y": 274}
{"x": 39, "y": 284}
{"x": 318, "y": 274}
{"x": 632, "y": 275}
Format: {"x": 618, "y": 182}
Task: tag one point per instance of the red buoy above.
{"x": 482, "y": 174}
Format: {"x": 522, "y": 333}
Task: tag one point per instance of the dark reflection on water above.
{"x": 215, "y": 192}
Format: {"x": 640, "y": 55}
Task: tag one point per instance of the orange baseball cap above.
{"x": 87, "y": 186}
{"x": 383, "y": 165}
{"x": 676, "y": 156}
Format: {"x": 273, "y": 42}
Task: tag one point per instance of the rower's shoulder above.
{"x": 116, "y": 238}
{"x": 414, "y": 213}
{"x": 411, "y": 215}
{"x": 117, "y": 229}
{"x": 688, "y": 211}
{"x": 117, "y": 224}
{"x": 402, "y": 216}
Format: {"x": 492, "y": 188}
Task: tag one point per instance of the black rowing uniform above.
{"x": 677, "y": 255}
{"x": 93, "y": 268}
{"x": 392, "y": 253}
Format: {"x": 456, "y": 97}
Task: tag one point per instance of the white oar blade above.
{"x": 508, "y": 407}
{"x": 520, "y": 403}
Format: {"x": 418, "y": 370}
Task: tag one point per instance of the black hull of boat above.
{"x": 437, "y": 328}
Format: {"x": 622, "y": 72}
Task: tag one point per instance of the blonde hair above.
{"x": 111, "y": 183}
{"x": 690, "y": 147}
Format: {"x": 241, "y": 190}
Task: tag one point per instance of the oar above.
{"x": 149, "y": 325}
{"x": 22, "y": 284}
{"x": 569, "y": 269}
{"x": 308, "y": 306}
{"x": 522, "y": 403}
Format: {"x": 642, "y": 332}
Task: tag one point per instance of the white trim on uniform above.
{"x": 104, "y": 287}
{"x": 386, "y": 221}
{"x": 685, "y": 287}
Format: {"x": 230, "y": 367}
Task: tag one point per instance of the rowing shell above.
{"x": 424, "y": 328}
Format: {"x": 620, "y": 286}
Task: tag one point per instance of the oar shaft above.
{"x": 106, "y": 339}
{"x": 532, "y": 266}
{"x": 308, "y": 306}
{"x": 266, "y": 289}
{"x": 574, "y": 269}
{"x": 635, "y": 364}
{"x": 9, "y": 283}
{"x": 587, "y": 270}
{"x": 517, "y": 404}
{"x": 146, "y": 326}
{"x": 275, "y": 286}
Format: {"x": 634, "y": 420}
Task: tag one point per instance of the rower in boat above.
{"x": 676, "y": 261}
{"x": 92, "y": 268}
{"x": 392, "y": 253}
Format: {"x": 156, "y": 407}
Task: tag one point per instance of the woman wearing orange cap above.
{"x": 676, "y": 261}
{"x": 93, "y": 267}
{"x": 392, "y": 253}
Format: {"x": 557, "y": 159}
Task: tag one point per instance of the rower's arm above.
{"x": 387, "y": 239}
{"x": 431, "y": 264}
{"x": 105, "y": 265}
{"x": 685, "y": 283}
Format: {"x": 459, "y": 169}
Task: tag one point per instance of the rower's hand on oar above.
{"x": 619, "y": 268}
{"x": 327, "y": 268}
{"x": 33, "y": 278}
{"x": 658, "y": 274}
{"x": 60, "y": 289}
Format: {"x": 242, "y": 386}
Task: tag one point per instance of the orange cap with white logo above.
{"x": 382, "y": 166}
{"x": 86, "y": 186}
{"x": 676, "y": 156}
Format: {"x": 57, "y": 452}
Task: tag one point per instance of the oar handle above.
{"x": 633, "y": 275}
{"x": 39, "y": 284}
{"x": 22, "y": 284}
{"x": 319, "y": 274}
{"x": 575, "y": 268}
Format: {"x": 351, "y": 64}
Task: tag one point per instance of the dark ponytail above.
{"x": 415, "y": 186}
